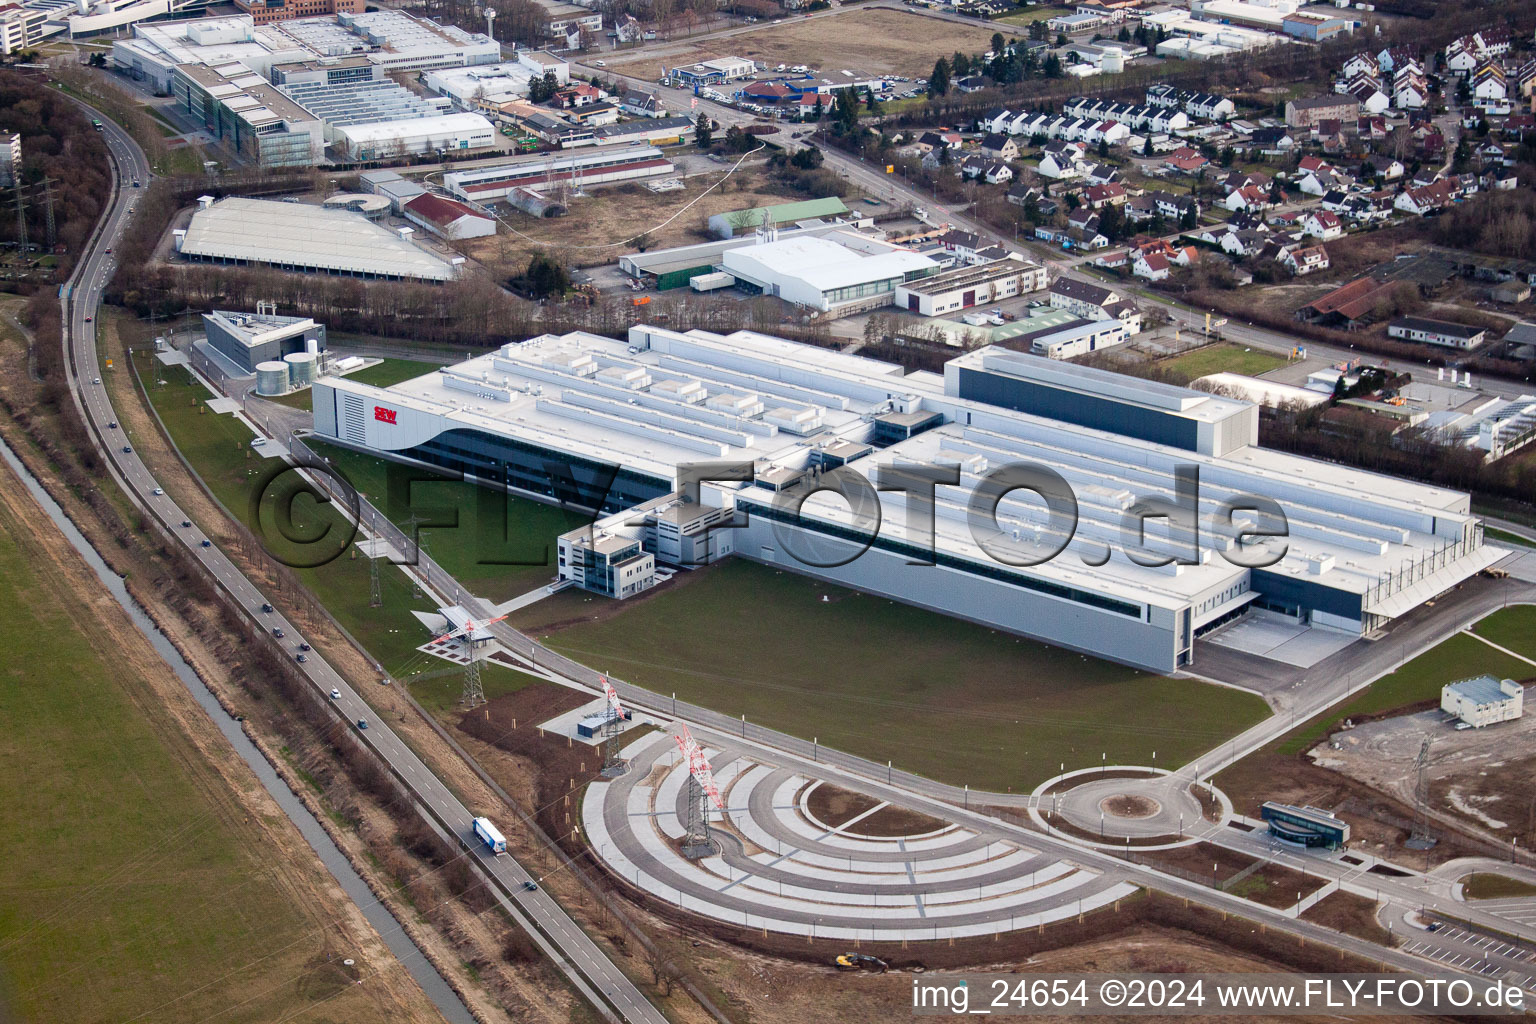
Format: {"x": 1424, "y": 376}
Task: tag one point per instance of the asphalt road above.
{"x": 587, "y": 967}
{"x": 568, "y": 945}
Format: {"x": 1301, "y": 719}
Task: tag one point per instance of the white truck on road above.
{"x": 490, "y": 836}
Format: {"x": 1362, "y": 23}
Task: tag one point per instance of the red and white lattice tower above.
{"x": 701, "y": 792}
{"x": 613, "y": 764}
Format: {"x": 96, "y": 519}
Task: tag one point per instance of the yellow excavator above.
{"x": 860, "y": 962}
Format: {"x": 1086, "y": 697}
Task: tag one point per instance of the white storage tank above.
{"x": 272, "y": 377}
{"x": 301, "y": 369}
{"x": 1113, "y": 61}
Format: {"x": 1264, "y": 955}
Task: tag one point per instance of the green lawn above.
{"x": 1223, "y": 358}
{"x": 131, "y": 890}
{"x": 1459, "y": 657}
{"x": 1514, "y": 628}
{"x": 951, "y": 700}
{"x": 218, "y": 447}
{"x": 382, "y": 374}
{"x": 502, "y": 547}
{"x": 1482, "y": 886}
{"x": 1499, "y": 536}
{"x": 1033, "y": 15}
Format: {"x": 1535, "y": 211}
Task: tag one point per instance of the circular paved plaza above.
{"x": 881, "y": 873}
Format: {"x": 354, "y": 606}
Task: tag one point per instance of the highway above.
{"x": 587, "y": 967}
{"x": 583, "y": 963}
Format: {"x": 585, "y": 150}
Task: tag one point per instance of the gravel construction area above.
{"x": 867, "y": 43}
{"x": 1480, "y": 775}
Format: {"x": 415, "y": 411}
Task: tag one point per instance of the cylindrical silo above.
{"x": 301, "y": 369}
{"x": 272, "y": 377}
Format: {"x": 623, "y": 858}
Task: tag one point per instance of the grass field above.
{"x": 1420, "y": 679}
{"x": 1483, "y": 886}
{"x": 1223, "y": 358}
{"x": 867, "y": 42}
{"x": 132, "y": 890}
{"x": 502, "y": 547}
{"x": 381, "y": 374}
{"x": 1033, "y": 15}
{"x": 951, "y": 700}
{"x": 1514, "y": 628}
{"x": 1499, "y": 536}
{"x": 218, "y": 447}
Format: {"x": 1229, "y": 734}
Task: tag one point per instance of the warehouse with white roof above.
{"x": 313, "y": 239}
{"x": 597, "y": 423}
{"x": 841, "y": 272}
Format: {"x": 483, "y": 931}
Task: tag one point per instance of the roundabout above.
{"x": 781, "y": 860}
{"x": 1108, "y": 806}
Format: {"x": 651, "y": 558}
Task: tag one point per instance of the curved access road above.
{"x": 586, "y": 966}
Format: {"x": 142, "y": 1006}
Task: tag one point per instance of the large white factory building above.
{"x": 610, "y": 425}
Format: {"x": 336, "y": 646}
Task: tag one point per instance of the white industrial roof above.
{"x": 1260, "y": 391}
{"x": 441, "y": 126}
{"x": 826, "y": 263}
{"x": 593, "y": 396}
{"x": 294, "y": 234}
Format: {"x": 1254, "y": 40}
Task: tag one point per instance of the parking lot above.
{"x": 1476, "y": 953}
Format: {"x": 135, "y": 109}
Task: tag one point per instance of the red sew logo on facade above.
{"x": 383, "y": 415}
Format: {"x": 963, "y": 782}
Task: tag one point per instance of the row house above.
{"x": 1490, "y": 88}
{"x": 1203, "y": 105}
{"x": 1394, "y": 57}
{"x": 1359, "y": 64}
{"x": 1137, "y": 118}
{"x": 1368, "y": 90}
{"x": 1410, "y": 89}
{"x": 1524, "y": 78}
{"x": 1463, "y": 55}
